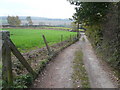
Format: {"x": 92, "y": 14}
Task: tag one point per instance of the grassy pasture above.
{"x": 59, "y": 28}
{"x": 26, "y": 39}
{"x": 81, "y": 30}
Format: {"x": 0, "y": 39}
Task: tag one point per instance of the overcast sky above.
{"x": 41, "y": 8}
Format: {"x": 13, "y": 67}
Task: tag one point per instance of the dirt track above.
{"x": 59, "y": 71}
{"x": 98, "y": 77}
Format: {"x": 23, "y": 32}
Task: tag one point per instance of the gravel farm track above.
{"x": 58, "y": 72}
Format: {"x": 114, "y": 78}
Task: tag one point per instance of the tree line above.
{"x": 90, "y": 13}
{"x": 102, "y": 22}
{"x": 15, "y": 20}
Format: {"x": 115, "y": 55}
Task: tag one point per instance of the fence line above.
{"x": 8, "y": 47}
{"x": 61, "y": 38}
{"x": 49, "y": 51}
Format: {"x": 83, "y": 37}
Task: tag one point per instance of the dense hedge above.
{"x": 105, "y": 38}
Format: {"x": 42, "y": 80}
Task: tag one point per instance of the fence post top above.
{"x": 3, "y": 33}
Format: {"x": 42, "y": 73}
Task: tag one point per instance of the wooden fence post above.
{"x": 61, "y": 38}
{"x": 70, "y": 37}
{"x": 7, "y": 75}
{"x": 73, "y": 37}
{"x": 77, "y": 36}
{"x": 8, "y": 47}
{"x": 21, "y": 58}
{"x": 49, "y": 52}
{"x": 78, "y": 31}
{"x": 4, "y": 67}
{"x": 9, "y": 65}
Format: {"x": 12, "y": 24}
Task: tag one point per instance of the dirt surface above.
{"x": 99, "y": 78}
{"x": 58, "y": 72}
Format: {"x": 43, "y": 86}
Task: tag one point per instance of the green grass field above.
{"x": 26, "y": 39}
{"x": 81, "y": 30}
{"x": 65, "y": 28}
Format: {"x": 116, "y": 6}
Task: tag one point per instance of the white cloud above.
{"x": 41, "y": 8}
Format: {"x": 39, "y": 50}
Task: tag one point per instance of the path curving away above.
{"x": 58, "y": 72}
{"x": 98, "y": 77}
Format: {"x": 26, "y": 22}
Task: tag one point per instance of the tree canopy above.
{"x": 29, "y": 20}
{"x": 90, "y": 12}
{"x": 13, "y": 20}
{"x": 102, "y": 23}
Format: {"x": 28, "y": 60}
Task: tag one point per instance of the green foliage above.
{"x": 74, "y": 26}
{"x": 29, "y": 20}
{"x": 26, "y": 39}
{"x": 43, "y": 63}
{"x": 23, "y": 81}
{"x": 107, "y": 49}
{"x": 90, "y": 12}
{"x": 14, "y": 20}
{"x": 95, "y": 34}
{"x": 102, "y": 22}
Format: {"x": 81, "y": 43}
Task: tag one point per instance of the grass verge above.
{"x": 80, "y": 77}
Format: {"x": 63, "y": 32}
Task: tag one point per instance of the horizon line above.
{"x": 32, "y": 16}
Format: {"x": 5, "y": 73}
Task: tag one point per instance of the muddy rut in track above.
{"x": 58, "y": 72}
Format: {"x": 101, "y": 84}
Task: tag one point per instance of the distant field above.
{"x": 60, "y": 28}
{"x": 30, "y": 38}
{"x": 81, "y": 30}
